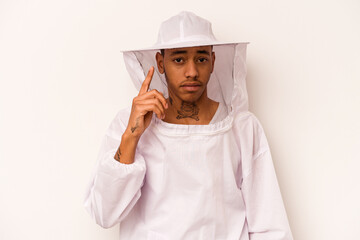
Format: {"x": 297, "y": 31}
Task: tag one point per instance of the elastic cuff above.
{"x": 110, "y": 163}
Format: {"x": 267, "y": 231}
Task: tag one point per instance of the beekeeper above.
{"x": 187, "y": 160}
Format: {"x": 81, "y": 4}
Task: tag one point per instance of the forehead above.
{"x": 188, "y": 50}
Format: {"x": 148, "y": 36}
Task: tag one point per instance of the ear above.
{"x": 160, "y": 62}
{"x": 212, "y": 61}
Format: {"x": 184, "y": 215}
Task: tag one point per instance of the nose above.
{"x": 191, "y": 70}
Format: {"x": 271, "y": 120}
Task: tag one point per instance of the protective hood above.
{"x": 227, "y": 83}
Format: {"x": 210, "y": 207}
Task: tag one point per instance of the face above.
{"x": 187, "y": 71}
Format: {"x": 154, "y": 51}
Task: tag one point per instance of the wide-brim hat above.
{"x": 184, "y": 30}
{"x": 227, "y": 81}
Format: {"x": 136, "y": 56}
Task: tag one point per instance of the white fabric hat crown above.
{"x": 185, "y": 29}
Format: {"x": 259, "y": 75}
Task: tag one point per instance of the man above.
{"x": 188, "y": 160}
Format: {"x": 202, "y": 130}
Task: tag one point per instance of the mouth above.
{"x": 191, "y": 87}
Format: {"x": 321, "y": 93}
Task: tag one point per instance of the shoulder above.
{"x": 249, "y": 130}
{"x": 246, "y": 119}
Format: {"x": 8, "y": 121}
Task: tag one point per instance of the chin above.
{"x": 190, "y": 97}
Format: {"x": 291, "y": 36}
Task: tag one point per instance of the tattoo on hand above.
{"x": 136, "y": 125}
{"x": 188, "y": 110}
{"x": 118, "y": 154}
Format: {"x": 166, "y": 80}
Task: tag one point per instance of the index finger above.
{"x": 145, "y": 85}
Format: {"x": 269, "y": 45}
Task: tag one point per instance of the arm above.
{"x": 117, "y": 180}
{"x": 114, "y": 187}
{"x": 126, "y": 151}
{"x": 265, "y": 211}
{"x": 141, "y": 113}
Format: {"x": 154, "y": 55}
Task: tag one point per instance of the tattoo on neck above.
{"x": 188, "y": 110}
{"x": 171, "y": 101}
{"x": 136, "y": 126}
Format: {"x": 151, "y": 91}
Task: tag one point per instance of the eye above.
{"x": 202, "y": 60}
{"x": 178, "y": 60}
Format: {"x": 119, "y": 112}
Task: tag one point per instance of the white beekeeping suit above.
{"x": 200, "y": 182}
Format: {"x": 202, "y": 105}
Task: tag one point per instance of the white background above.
{"x": 63, "y": 80}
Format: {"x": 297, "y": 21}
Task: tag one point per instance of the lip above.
{"x": 191, "y": 87}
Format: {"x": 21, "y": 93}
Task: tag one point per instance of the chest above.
{"x": 191, "y": 163}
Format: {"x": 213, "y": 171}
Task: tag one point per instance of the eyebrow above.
{"x": 203, "y": 52}
{"x": 184, "y": 51}
{"x": 177, "y": 52}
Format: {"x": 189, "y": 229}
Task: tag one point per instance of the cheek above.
{"x": 206, "y": 73}
{"x": 173, "y": 76}
{"x": 172, "y": 86}
{"x": 170, "y": 81}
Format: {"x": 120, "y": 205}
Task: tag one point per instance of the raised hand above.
{"x": 144, "y": 105}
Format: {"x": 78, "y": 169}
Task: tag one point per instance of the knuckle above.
{"x": 155, "y": 91}
{"x": 137, "y": 107}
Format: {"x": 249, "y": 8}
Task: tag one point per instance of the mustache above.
{"x": 191, "y": 82}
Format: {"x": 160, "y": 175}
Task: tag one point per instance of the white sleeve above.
{"x": 114, "y": 187}
{"x": 265, "y": 211}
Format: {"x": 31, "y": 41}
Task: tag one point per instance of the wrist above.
{"x": 130, "y": 137}
{"x": 127, "y": 148}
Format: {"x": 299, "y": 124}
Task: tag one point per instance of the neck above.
{"x": 197, "y": 112}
